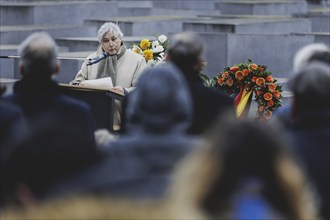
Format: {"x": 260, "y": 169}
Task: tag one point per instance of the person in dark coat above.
{"x": 40, "y": 97}
{"x": 309, "y": 53}
{"x": 60, "y": 138}
{"x": 186, "y": 52}
{"x": 310, "y": 130}
{"x": 12, "y": 122}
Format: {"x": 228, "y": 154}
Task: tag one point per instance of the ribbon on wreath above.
{"x": 243, "y": 101}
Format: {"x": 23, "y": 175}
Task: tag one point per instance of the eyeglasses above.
{"x": 107, "y": 41}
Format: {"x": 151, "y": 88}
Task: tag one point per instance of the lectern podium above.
{"x": 101, "y": 102}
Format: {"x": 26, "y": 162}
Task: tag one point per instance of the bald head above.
{"x": 309, "y": 53}
{"x": 186, "y": 51}
{"x": 38, "y": 56}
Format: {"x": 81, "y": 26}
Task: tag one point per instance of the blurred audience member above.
{"x": 40, "y": 160}
{"x": 246, "y": 173}
{"x": 12, "y": 122}
{"x": 311, "y": 126}
{"x": 40, "y": 97}
{"x": 309, "y": 53}
{"x": 186, "y": 52}
{"x": 140, "y": 162}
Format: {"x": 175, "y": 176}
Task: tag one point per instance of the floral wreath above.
{"x": 152, "y": 51}
{"x": 246, "y": 78}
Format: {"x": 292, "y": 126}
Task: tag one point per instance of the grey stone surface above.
{"x": 144, "y": 25}
{"x": 275, "y": 51}
{"x": 7, "y": 65}
{"x": 185, "y": 4}
{"x": 251, "y": 25}
{"x": 59, "y": 12}
{"x": 16, "y": 34}
{"x": 320, "y": 22}
{"x": 323, "y": 37}
{"x": 70, "y": 65}
{"x": 266, "y": 7}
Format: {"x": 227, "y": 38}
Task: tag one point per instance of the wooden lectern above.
{"x": 101, "y": 102}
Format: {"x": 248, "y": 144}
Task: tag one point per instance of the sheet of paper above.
{"x": 103, "y": 83}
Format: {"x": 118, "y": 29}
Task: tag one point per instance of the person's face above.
{"x": 111, "y": 43}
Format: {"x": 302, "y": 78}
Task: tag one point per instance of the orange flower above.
{"x": 220, "y": 81}
{"x": 148, "y": 54}
{"x": 260, "y": 81}
{"x": 261, "y": 108}
{"x": 261, "y": 69}
{"x": 254, "y": 79}
{"x": 272, "y": 87}
{"x": 269, "y": 79}
{"x": 225, "y": 74}
{"x": 260, "y": 92}
{"x": 229, "y": 82}
{"x": 268, "y": 96}
{"x": 270, "y": 103}
{"x": 253, "y": 67}
{"x": 277, "y": 94}
{"x": 239, "y": 75}
{"x": 234, "y": 68}
{"x": 145, "y": 44}
{"x": 245, "y": 72}
{"x": 268, "y": 115}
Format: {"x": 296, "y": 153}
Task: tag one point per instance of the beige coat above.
{"x": 129, "y": 68}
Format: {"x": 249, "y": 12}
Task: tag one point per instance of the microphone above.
{"x": 97, "y": 59}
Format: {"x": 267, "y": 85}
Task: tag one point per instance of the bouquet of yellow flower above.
{"x": 152, "y": 51}
{"x": 243, "y": 80}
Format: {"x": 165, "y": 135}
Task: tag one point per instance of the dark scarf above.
{"x": 108, "y": 66}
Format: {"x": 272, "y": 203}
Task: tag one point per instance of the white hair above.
{"x": 38, "y": 54}
{"x": 109, "y": 27}
{"x": 304, "y": 55}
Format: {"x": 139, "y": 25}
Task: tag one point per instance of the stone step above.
{"x": 249, "y": 24}
{"x": 70, "y": 64}
{"x": 54, "y": 12}
{"x": 274, "y": 51}
{"x": 173, "y": 7}
{"x": 320, "y": 18}
{"x": 186, "y": 4}
{"x": 9, "y": 60}
{"x": 262, "y": 7}
{"x": 15, "y": 34}
{"x": 144, "y": 11}
{"x": 8, "y": 66}
{"x": 91, "y": 43}
{"x": 319, "y": 37}
{"x": 145, "y": 25}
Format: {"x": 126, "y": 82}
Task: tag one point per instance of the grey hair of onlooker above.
{"x": 185, "y": 51}
{"x": 109, "y": 27}
{"x": 309, "y": 53}
{"x": 310, "y": 87}
{"x": 161, "y": 102}
{"x": 38, "y": 54}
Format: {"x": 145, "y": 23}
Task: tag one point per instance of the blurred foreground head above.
{"x": 246, "y": 172}
{"x": 186, "y": 52}
{"x": 310, "y": 87}
{"x": 161, "y": 102}
{"x": 38, "y": 56}
{"x": 311, "y": 52}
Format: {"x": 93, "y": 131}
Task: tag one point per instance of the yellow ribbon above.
{"x": 243, "y": 101}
